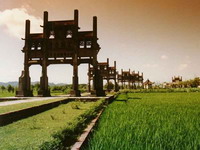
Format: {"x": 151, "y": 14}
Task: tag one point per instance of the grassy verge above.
{"x": 53, "y": 129}
{"x": 53, "y": 93}
{"x": 15, "y": 107}
{"x": 6, "y": 94}
{"x": 57, "y": 93}
{"x": 149, "y": 121}
{"x": 10, "y": 94}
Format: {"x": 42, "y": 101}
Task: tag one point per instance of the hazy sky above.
{"x": 158, "y": 37}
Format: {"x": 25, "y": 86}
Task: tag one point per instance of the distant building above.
{"x": 166, "y": 85}
{"x": 148, "y": 84}
{"x": 176, "y": 82}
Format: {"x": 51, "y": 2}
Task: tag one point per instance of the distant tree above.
{"x": 32, "y": 87}
{"x": 83, "y": 87}
{"x": 16, "y": 88}
{"x": 109, "y": 85}
{"x": 36, "y": 86}
{"x": 63, "y": 88}
{"x": 10, "y": 88}
{"x": 56, "y": 88}
{"x": 195, "y": 82}
{"x": 3, "y": 88}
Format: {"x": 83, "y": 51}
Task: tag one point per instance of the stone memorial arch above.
{"x": 132, "y": 78}
{"x": 107, "y": 73}
{"x": 60, "y": 43}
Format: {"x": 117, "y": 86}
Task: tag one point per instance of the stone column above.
{"x": 97, "y": 79}
{"x": 89, "y": 74}
{"x": 108, "y": 89}
{"x": 129, "y": 79}
{"x": 75, "y": 91}
{"x": 24, "y": 89}
{"x": 44, "y": 89}
{"x": 115, "y": 80}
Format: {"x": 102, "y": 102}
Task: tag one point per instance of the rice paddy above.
{"x": 149, "y": 121}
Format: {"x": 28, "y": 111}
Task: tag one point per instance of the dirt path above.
{"x": 26, "y": 100}
{"x": 12, "y": 100}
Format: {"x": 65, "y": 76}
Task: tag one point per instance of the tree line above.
{"x": 9, "y": 88}
{"x": 192, "y": 83}
{"x": 55, "y": 88}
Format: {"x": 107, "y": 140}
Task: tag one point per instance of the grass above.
{"x": 149, "y": 121}
{"x": 6, "y": 94}
{"x": 43, "y": 129}
{"x": 53, "y": 93}
{"x": 15, "y": 107}
{"x": 57, "y": 93}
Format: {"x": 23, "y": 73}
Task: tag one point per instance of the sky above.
{"x": 160, "y": 38}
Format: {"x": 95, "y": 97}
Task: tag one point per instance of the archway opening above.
{"x": 35, "y": 73}
{"x": 83, "y": 77}
{"x": 60, "y": 79}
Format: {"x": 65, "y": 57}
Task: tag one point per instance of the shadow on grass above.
{"x": 121, "y": 100}
{"x": 132, "y": 98}
{"x": 129, "y": 98}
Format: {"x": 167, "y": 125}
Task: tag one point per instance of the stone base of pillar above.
{"x": 89, "y": 89}
{"x": 98, "y": 93}
{"x": 76, "y": 93}
{"x": 24, "y": 86}
{"x": 24, "y": 93}
{"x": 44, "y": 93}
{"x": 116, "y": 89}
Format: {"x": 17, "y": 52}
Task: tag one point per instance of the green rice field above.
{"x": 149, "y": 121}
